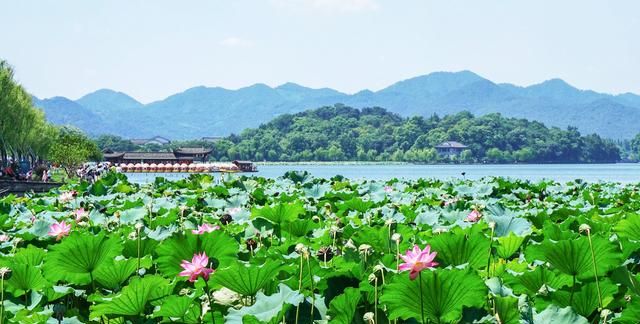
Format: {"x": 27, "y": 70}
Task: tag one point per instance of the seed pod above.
{"x": 251, "y": 244}
{"x": 325, "y": 254}
{"x": 226, "y": 219}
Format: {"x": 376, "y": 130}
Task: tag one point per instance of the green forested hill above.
{"x": 336, "y": 133}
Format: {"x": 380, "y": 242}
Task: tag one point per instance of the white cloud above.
{"x": 236, "y": 42}
{"x": 342, "y": 6}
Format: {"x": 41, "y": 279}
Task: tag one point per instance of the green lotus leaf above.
{"x": 585, "y": 297}
{"x": 631, "y": 313}
{"x": 279, "y": 213}
{"x": 531, "y": 282}
{"x": 134, "y": 298}
{"x": 217, "y": 245}
{"x": 79, "y": 256}
{"x": 30, "y": 255}
{"x": 509, "y": 245}
{"x": 24, "y": 278}
{"x": 507, "y": 310}
{"x": 266, "y": 307}
{"x": 461, "y": 246}
{"x": 116, "y": 272}
{"x": 629, "y": 227}
{"x": 445, "y": 293}
{"x": 247, "y": 280}
{"x": 342, "y": 309}
{"x": 179, "y": 308}
{"x": 574, "y": 258}
{"x": 554, "y": 314}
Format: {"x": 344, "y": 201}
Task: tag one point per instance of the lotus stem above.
{"x": 397, "y": 255}
{"x": 206, "y": 285}
{"x": 375, "y": 298}
{"x": 421, "y": 298}
{"x": 299, "y": 288}
{"x": 595, "y": 269}
{"x": 490, "y": 249}
{"x": 2, "y": 299}
{"x": 313, "y": 294}
{"x": 573, "y": 288}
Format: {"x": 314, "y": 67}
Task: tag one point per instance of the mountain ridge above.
{"x": 213, "y": 111}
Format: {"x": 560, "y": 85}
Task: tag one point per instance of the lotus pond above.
{"x": 298, "y": 249}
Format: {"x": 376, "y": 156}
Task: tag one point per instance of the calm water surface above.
{"x": 624, "y": 172}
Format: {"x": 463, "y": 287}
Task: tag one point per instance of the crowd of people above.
{"x": 91, "y": 171}
{"x": 23, "y": 170}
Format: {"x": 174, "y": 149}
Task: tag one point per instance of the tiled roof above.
{"x": 451, "y": 144}
{"x": 192, "y": 150}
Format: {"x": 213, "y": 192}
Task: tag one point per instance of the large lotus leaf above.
{"x": 445, "y": 293}
{"x": 355, "y": 204}
{"x": 133, "y": 298}
{"x": 78, "y": 256}
{"x": 25, "y": 277}
{"x": 556, "y": 315}
{"x": 342, "y": 309}
{"x": 217, "y": 245}
{"x": 179, "y": 308}
{"x": 30, "y": 255}
{"x": 629, "y": 227}
{"x": 509, "y": 245}
{"x": 530, "y": 282}
{"x": 279, "y": 213}
{"x": 266, "y": 307}
{"x": 247, "y": 280}
{"x": 585, "y": 299}
{"x": 631, "y": 313}
{"x": 507, "y": 310}
{"x": 116, "y": 272}
{"x": 459, "y": 247}
{"x": 505, "y": 224}
{"x": 133, "y": 215}
{"x": 317, "y": 190}
{"x": 574, "y": 258}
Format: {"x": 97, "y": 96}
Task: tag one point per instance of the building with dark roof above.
{"x": 180, "y": 155}
{"x": 450, "y": 148}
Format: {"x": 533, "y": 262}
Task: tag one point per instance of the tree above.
{"x": 72, "y": 148}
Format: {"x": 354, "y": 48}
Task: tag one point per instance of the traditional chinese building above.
{"x": 180, "y": 155}
{"x": 450, "y": 148}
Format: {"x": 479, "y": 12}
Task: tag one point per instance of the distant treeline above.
{"x": 341, "y": 133}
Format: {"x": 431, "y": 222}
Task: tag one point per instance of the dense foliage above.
{"x": 72, "y": 148}
{"x": 374, "y": 134}
{"x": 24, "y": 132}
{"x": 249, "y": 250}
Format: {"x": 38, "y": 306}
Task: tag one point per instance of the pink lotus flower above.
{"x": 59, "y": 230}
{"x": 474, "y": 216}
{"x": 417, "y": 260}
{"x": 205, "y": 228}
{"x": 67, "y": 196}
{"x": 4, "y": 237}
{"x": 388, "y": 189}
{"x": 196, "y": 268}
{"x": 80, "y": 214}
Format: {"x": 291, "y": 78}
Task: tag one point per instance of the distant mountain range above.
{"x": 204, "y": 111}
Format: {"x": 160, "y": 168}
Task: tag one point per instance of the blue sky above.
{"x": 152, "y": 49}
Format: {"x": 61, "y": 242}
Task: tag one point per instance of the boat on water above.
{"x": 223, "y": 167}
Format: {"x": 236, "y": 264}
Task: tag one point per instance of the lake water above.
{"x": 623, "y": 172}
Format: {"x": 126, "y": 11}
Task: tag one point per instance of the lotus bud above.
{"x": 492, "y": 225}
{"x": 396, "y": 237}
{"x": 605, "y": 313}
{"x": 368, "y": 317}
{"x": 225, "y": 296}
{"x": 139, "y": 226}
{"x": 133, "y": 235}
{"x": 315, "y": 219}
{"x": 142, "y": 271}
{"x": 350, "y": 245}
{"x": 584, "y": 228}
{"x": 300, "y": 248}
{"x": 389, "y": 222}
{"x": 372, "y": 277}
{"x": 378, "y": 267}
{"x": 4, "y": 238}
{"x": 364, "y": 248}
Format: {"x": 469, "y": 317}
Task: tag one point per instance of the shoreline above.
{"x": 329, "y": 163}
